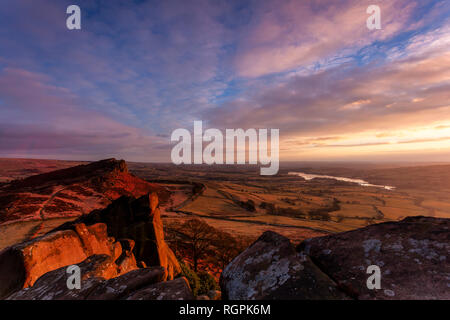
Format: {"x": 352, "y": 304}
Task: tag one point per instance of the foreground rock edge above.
{"x": 412, "y": 255}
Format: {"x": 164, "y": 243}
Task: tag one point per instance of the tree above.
{"x": 199, "y": 236}
{"x": 226, "y": 248}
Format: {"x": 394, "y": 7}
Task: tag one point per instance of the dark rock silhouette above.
{"x": 177, "y": 289}
{"x": 271, "y": 269}
{"x": 412, "y": 255}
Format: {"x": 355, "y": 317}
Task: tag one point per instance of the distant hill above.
{"x": 11, "y": 169}
{"x": 70, "y": 192}
{"x": 433, "y": 177}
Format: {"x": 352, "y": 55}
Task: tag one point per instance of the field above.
{"x": 236, "y": 199}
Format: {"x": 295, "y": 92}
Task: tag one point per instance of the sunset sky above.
{"x": 137, "y": 70}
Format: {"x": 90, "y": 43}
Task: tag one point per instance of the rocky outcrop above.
{"x": 36, "y": 269}
{"x": 127, "y": 284}
{"x": 412, "y": 255}
{"x": 139, "y": 284}
{"x": 139, "y": 220}
{"x": 71, "y": 192}
{"x": 271, "y": 269}
{"x": 177, "y": 289}
{"x": 22, "y": 264}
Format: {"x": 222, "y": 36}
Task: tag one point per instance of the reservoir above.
{"x": 361, "y": 182}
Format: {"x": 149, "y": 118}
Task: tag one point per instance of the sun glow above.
{"x": 434, "y": 138}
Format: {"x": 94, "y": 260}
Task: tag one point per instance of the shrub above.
{"x": 191, "y": 276}
{"x": 207, "y": 283}
{"x": 201, "y": 282}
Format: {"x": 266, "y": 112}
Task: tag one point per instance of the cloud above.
{"x": 291, "y": 34}
{"x": 59, "y": 122}
{"x": 147, "y": 63}
{"x": 138, "y": 70}
{"x": 355, "y": 103}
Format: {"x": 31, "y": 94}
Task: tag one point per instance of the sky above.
{"x": 138, "y": 70}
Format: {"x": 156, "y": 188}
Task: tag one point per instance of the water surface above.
{"x": 308, "y": 176}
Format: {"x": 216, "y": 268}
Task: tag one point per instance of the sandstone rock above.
{"x": 22, "y": 264}
{"x": 100, "y": 266}
{"x": 95, "y": 240}
{"x": 271, "y": 269}
{"x": 177, "y": 289}
{"x": 126, "y": 284}
{"x": 169, "y": 262}
{"x": 12, "y": 271}
{"x": 413, "y": 256}
{"x": 126, "y": 261}
{"x": 127, "y": 245}
{"x": 126, "y": 264}
{"x": 53, "y": 285}
{"x": 35, "y": 258}
{"x": 139, "y": 220}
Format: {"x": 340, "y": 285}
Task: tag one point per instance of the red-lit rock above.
{"x": 71, "y": 192}
{"x": 94, "y": 284}
{"x": 22, "y": 264}
{"x": 140, "y": 220}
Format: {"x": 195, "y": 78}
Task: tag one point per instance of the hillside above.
{"x": 70, "y": 192}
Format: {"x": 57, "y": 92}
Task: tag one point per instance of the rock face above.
{"x": 137, "y": 284}
{"x": 139, "y": 220}
{"x": 37, "y": 268}
{"x": 177, "y": 289}
{"x": 22, "y": 264}
{"x": 412, "y": 255}
{"x": 70, "y": 192}
{"x": 271, "y": 269}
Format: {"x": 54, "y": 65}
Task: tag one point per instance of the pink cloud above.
{"x": 61, "y": 125}
{"x": 291, "y": 34}
{"x": 403, "y": 93}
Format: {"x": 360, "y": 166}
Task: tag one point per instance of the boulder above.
{"x": 139, "y": 220}
{"x": 413, "y": 256}
{"x": 126, "y": 284}
{"x": 22, "y": 264}
{"x": 127, "y": 261}
{"x": 53, "y": 285}
{"x": 271, "y": 269}
{"x": 95, "y": 240}
{"x": 177, "y": 289}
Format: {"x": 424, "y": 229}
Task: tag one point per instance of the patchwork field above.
{"x": 236, "y": 199}
{"x": 239, "y": 200}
